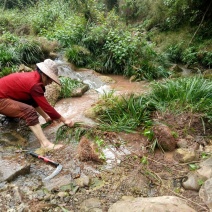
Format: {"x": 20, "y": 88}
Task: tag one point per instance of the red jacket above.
{"x": 27, "y": 87}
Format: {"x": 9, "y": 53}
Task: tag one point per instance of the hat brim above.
{"x": 48, "y": 72}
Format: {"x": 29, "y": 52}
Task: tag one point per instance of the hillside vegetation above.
{"x": 140, "y": 39}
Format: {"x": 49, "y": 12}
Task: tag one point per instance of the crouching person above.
{"x": 22, "y": 96}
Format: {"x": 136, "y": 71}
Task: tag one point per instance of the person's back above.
{"x": 17, "y": 86}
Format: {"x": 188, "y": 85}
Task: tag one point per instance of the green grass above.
{"x": 124, "y": 114}
{"x": 68, "y": 85}
{"x": 183, "y": 94}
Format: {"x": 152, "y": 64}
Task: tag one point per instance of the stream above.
{"x": 29, "y": 173}
{"x": 82, "y": 186}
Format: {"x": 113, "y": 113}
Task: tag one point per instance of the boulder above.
{"x": 12, "y": 168}
{"x": 184, "y": 155}
{"x": 153, "y": 204}
{"x": 165, "y": 137}
{"x": 205, "y": 193}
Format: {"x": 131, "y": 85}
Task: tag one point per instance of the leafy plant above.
{"x": 7, "y": 70}
{"x": 190, "y": 56}
{"x": 68, "y": 85}
{"x": 71, "y": 134}
{"x": 174, "y": 52}
{"x": 193, "y": 166}
{"x": 8, "y": 56}
{"x": 149, "y": 134}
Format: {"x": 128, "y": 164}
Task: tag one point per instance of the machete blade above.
{"x": 56, "y": 171}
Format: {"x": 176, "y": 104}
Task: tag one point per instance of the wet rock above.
{"x": 82, "y": 181}
{"x": 52, "y": 93}
{"x": 56, "y": 183}
{"x": 10, "y": 169}
{"x": 205, "y": 172}
{"x": 182, "y": 143}
{"x": 78, "y": 92}
{"x": 153, "y": 204}
{"x": 53, "y": 55}
{"x": 206, "y": 169}
{"x": 107, "y": 79}
{"x": 91, "y": 205}
{"x": 76, "y": 172}
{"x": 62, "y": 194}
{"x": 192, "y": 182}
{"x": 17, "y": 195}
{"x": 184, "y": 155}
{"x": 208, "y": 149}
{"x": 205, "y": 193}
{"x": 23, "y": 68}
{"x": 176, "y": 68}
{"x": 11, "y": 138}
{"x": 165, "y": 137}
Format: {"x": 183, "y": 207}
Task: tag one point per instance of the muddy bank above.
{"x": 133, "y": 168}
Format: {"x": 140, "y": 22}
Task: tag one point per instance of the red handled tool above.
{"x": 47, "y": 160}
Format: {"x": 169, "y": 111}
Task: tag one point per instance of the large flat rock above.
{"x": 12, "y": 168}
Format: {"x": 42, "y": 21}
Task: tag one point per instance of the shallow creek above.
{"x": 73, "y": 108}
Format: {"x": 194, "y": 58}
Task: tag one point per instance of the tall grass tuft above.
{"x": 29, "y": 51}
{"x": 183, "y": 94}
{"x": 68, "y": 85}
{"x": 125, "y": 114}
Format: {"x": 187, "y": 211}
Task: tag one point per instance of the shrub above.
{"x": 174, "y": 52}
{"x": 67, "y": 32}
{"x": 8, "y": 56}
{"x": 49, "y": 13}
{"x": 7, "y": 70}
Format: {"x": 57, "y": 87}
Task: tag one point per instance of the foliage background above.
{"x": 139, "y": 38}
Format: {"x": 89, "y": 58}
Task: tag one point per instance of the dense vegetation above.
{"x": 139, "y": 38}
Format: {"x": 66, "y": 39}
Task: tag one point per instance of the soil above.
{"x": 143, "y": 173}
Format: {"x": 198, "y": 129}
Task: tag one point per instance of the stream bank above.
{"x": 90, "y": 186}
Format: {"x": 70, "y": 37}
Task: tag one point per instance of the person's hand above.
{"x": 69, "y": 122}
{"x": 48, "y": 119}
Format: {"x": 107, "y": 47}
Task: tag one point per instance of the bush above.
{"x": 174, "y": 52}
{"x": 68, "y": 85}
{"x": 8, "y": 56}
{"x": 67, "y": 32}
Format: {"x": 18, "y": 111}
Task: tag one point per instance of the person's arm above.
{"x": 43, "y": 114}
{"x": 66, "y": 121}
{"x": 53, "y": 114}
{"x": 38, "y": 95}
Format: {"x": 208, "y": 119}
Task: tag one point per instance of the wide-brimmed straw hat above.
{"x": 49, "y": 67}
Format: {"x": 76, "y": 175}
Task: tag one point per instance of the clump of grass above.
{"x": 68, "y": 85}
{"x": 29, "y": 51}
{"x": 72, "y": 134}
{"x": 183, "y": 94}
{"x": 8, "y": 56}
{"x": 78, "y": 55}
{"x": 124, "y": 114}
